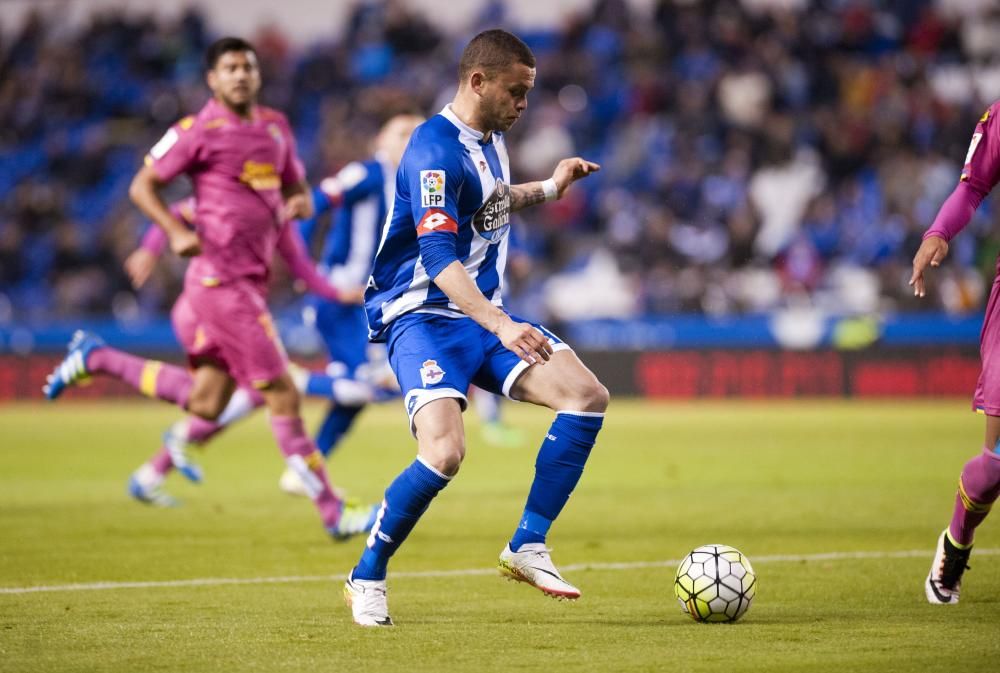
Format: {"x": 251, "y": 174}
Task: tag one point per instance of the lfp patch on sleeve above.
{"x": 432, "y": 189}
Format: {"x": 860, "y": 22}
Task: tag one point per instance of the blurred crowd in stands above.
{"x": 757, "y": 154}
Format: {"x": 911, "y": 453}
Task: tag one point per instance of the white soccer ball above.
{"x": 715, "y": 583}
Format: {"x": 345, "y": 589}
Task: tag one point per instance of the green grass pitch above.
{"x": 782, "y": 481}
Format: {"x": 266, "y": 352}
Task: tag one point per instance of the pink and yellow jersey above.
{"x": 238, "y": 169}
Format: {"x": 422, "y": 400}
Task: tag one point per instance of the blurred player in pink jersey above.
{"x": 979, "y": 483}
{"x": 248, "y": 184}
{"x": 146, "y": 483}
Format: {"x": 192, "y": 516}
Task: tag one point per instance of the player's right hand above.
{"x": 185, "y": 243}
{"x": 139, "y": 266}
{"x": 525, "y": 341}
{"x": 569, "y": 171}
{"x": 931, "y": 253}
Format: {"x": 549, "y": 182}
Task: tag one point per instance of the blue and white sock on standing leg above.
{"x": 406, "y": 499}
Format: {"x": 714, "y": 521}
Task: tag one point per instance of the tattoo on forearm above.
{"x": 526, "y": 194}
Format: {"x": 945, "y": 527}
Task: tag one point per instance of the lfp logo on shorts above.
{"x": 432, "y": 189}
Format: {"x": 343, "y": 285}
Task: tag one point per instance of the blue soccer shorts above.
{"x": 437, "y": 357}
{"x": 344, "y": 329}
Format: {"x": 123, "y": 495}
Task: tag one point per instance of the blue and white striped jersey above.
{"x": 452, "y": 192}
{"x": 362, "y": 193}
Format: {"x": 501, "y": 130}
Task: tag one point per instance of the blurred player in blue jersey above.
{"x": 434, "y": 297}
{"x": 361, "y": 194}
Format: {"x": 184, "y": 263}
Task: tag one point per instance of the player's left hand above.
{"x": 932, "y": 252}
{"x": 569, "y": 171}
{"x": 297, "y": 207}
{"x": 525, "y": 341}
{"x": 139, "y": 266}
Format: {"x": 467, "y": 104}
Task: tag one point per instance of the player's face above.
{"x": 395, "y": 134}
{"x": 505, "y": 96}
{"x": 235, "y": 79}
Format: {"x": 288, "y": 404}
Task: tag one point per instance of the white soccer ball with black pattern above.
{"x": 715, "y": 583}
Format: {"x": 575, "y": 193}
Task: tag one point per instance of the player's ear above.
{"x": 477, "y": 80}
{"x": 210, "y": 79}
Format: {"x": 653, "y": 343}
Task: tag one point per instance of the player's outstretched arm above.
{"x": 145, "y": 194}
{"x": 292, "y": 249}
{"x": 567, "y": 172}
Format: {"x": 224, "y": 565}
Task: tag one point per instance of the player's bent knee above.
{"x": 445, "y": 459}
{"x": 589, "y": 395}
{"x": 599, "y": 398}
{"x": 444, "y": 452}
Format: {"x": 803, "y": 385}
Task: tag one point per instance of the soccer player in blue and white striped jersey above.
{"x": 435, "y": 297}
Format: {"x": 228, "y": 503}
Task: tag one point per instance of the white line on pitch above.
{"x": 632, "y": 565}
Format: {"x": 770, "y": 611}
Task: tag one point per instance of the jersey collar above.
{"x": 464, "y": 128}
{"x": 218, "y": 109}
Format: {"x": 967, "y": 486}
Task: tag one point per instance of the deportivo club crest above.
{"x": 492, "y": 218}
{"x": 430, "y": 373}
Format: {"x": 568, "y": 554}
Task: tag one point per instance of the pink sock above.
{"x": 302, "y": 457}
{"x": 150, "y": 377}
{"x": 161, "y": 462}
{"x": 978, "y": 489}
{"x": 200, "y": 431}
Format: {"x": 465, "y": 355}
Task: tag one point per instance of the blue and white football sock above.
{"x": 406, "y": 499}
{"x": 557, "y": 470}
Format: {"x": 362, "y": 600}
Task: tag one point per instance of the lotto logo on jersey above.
{"x": 430, "y": 373}
{"x": 432, "y": 189}
{"x": 436, "y": 220}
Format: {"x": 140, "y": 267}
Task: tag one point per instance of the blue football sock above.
{"x": 406, "y": 499}
{"x": 557, "y": 470}
{"x": 319, "y": 385}
{"x": 335, "y": 425}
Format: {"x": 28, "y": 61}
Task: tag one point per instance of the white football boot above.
{"x": 533, "y": 565}
{"x": 368, "y": 602}
{"x": 291, "y": 483}
{"x": 146, "y": 485}
{"x": 945, "y": 578}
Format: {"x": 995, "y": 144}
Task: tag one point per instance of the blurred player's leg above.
{"x": 341, "y": 520}
{"x": 89, "y": 355}
{"x": 494, "y": 431}
{"x": 146, "y": 483}
{"x": 348, "y": 397}
{"x": 335, "y": 425}
{"x": 578, "y": 398}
